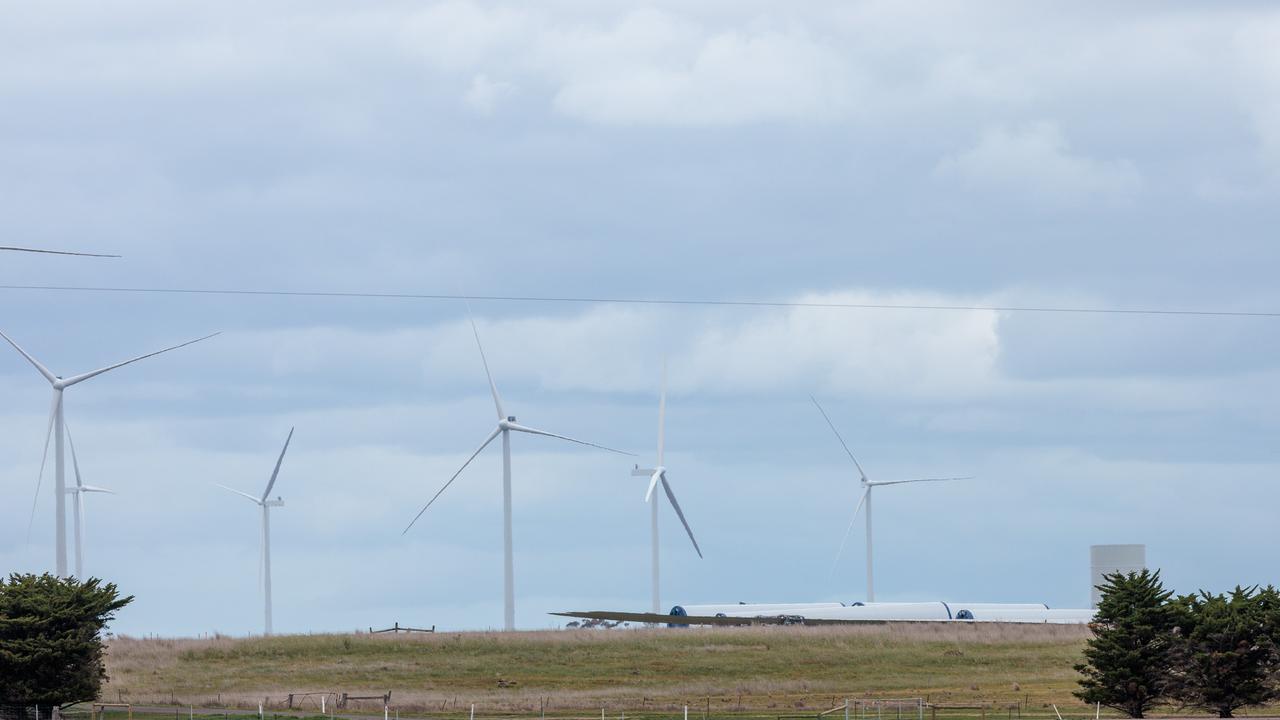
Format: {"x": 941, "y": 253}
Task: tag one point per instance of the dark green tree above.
{"x": 1228, "y": 658}
{"x": 51, "y": 638}
{"x": 1268, "y": 599}
{"x": 1127, "y": 661}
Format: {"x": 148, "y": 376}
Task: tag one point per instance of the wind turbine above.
{"x": 659, "y": 475}
{"x": 506, "y": 425}
{"x": 264, "y": 566}
{"x": 77, "y": 494}
{"x": 867, "y": 487}
{"x": 56, "y": 427}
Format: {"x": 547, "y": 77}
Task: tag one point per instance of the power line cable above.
{"x": 11, "y": 248}
{"x": 639, "y": 301}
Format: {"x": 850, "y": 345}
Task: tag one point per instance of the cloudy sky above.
{"x": 981, "y": 153}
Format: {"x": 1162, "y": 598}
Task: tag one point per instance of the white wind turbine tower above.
{"x": 264, "y": 567}
{"x": 867, "y": 487}
{"x": 77, "y": 498}
{"x": 506, "y": 425}
{"x": 659, "y": 475}
{"x": 56, "y": 428}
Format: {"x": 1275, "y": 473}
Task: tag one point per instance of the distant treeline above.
{"x": 1218, "y": 653}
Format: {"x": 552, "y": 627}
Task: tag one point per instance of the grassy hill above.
{"x": 767, "y": 670}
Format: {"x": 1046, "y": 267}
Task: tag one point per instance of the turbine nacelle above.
{"x": 655, "y": 475}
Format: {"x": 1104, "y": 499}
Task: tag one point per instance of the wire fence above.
{"x": 324, "y": 706}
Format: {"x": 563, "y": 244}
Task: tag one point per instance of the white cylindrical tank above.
{"x": 1107, "y": 559}
{"x": 749, "y": 609}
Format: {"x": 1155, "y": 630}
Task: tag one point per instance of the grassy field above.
{"x": 767, "y": 670}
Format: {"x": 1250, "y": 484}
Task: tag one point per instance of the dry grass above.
{"x": 771, "y": 669}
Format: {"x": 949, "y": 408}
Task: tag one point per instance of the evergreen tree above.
{"x": 1127, "y": 661}
{"x": 1228, "y": 658}
{"x": 50, "y": 638}
{"x": 1268, "y": 600}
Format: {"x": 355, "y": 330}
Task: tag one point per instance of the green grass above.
{"x": 765, "y": 670}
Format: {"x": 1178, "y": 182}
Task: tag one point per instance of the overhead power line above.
{"x": 41, "y": 251}
{"x": 641, "y": 301}
{"x": 54, "y": 252}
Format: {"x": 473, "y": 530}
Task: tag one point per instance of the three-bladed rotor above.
{"x": 658, "y": 475}
{"x": 271, "y": 483}
{"x": 864, "y": 499}
{"x": 264, "y": 548}
{"x": 506, "y": 423}
{"x": 55, "y": 430}
{"x": 505, "y": 427}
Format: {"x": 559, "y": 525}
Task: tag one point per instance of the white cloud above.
{"x": 1258, "y": 84}
{"x": 484, "y": 94}
{"x": 617, "y": 349}
{"x": 647, "y": 66}
{"x": 725, "y": 78}
{"x": 1037, "y": 159}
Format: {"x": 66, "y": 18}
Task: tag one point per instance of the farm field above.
{"x": 766, "y": 670}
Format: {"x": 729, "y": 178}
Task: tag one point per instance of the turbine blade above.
{"x": 666, "y": 486}
{"x": 838, "y": 437}
{"x": 48, "y": 374}
{"x": 483, "y": 445}
{"x": 55, "y": 252}
{"x": 75, "y": 463}
{"x": 900, "y": 482}
{"x": 255, "y": 500}
{"x": 93, "y": 373}
{"x": 272, "y": 482}
{"x": 94, "y": 488}
{"x": 662, "y": 413}
{"x": 533, "y": 431}
{"x": 44, "y": 457}
{"x": 847, "y": 532}
{"x": 493, "y": 388}
{"x": 653, "y": 484}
